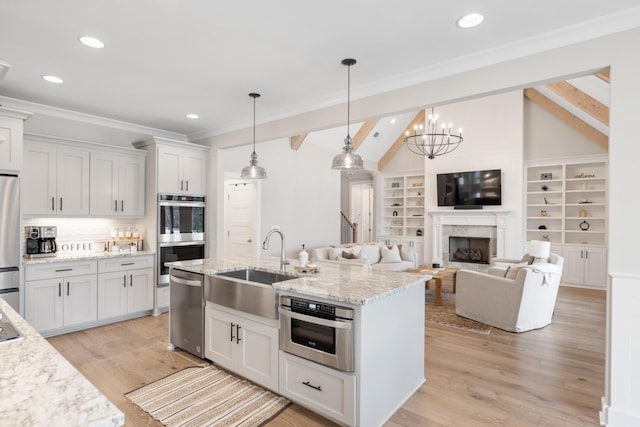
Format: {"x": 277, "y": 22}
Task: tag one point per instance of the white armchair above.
{"x": 514, "y": 304}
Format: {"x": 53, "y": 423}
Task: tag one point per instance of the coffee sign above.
{"x": 76, "y": 247}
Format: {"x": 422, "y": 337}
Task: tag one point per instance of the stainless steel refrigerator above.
{"x": 10, "y": 240}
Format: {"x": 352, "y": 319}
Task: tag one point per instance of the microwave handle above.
{"x": 338, "y": 324}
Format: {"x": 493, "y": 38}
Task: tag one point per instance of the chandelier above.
{"x": 435, "y": 140}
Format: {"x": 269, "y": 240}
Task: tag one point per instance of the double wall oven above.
{"x": 180, "y": 231}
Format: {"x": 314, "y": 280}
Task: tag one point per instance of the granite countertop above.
{"x": 39, "y": 387}
{"x": 351, "y": 284}
{"x": 84, "y": 256}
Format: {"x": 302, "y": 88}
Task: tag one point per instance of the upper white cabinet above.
{"x": 117, "y": 184}
{"x": 181, "y": 170}
{"x": 55, "y": 179}
{"x": 11, "y": 128}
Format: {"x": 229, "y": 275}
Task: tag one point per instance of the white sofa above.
{"x": 376, "y": 255}
{"x": 518, "y": 300}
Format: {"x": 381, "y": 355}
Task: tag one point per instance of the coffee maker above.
{"x": 40, "y": 241}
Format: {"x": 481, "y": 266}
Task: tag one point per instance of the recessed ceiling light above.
{"x": 470, "y": 20}
{"x": 193, "y": 116}
{"x": 53, "y": 79}
{"x": 393, "y": 120}
{"x": 91, "y": 42}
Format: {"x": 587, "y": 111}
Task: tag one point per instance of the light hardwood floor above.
{"x": 549, "y": 377}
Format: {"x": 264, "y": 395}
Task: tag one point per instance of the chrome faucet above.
{"x": 265, "y": 246}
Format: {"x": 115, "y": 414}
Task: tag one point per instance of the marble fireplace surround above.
{"x": 444, "y": 223}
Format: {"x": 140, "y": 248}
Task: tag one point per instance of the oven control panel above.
{"x": 316, "y": 309}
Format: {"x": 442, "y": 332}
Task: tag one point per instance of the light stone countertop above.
{"x": 351, "y": 284}
{"x": 39, "y": 387}
{"x": 83, "y": 256}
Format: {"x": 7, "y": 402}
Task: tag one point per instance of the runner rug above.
{"x": 445, "y": 314}
{"x": 207, "y": 396}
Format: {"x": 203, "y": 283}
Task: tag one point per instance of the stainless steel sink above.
{"x": 259, "y": 276}
{"x": 248, "y": 290}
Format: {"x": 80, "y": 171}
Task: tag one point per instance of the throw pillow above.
{"x": 527, "y": 259}
{"x": 513, "y": 270}
{"x": 334, "y": 253}
{"x": 349, "y": 255}
{"x": 389, "y": 255}
{"x": 371, "y": 252}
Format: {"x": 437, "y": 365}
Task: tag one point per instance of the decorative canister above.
{"x": 582, "y": 213}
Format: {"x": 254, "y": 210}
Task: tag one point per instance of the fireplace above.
{"x": 475, "y": 250}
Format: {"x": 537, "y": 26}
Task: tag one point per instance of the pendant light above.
{"x": 347, "y": 159}
{"x": 253, "y": 171}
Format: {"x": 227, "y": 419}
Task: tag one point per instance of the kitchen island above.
{"x": 39, "y": 387}
{"x": 388, "y": 337}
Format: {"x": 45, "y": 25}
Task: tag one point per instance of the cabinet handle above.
{"x": 53, "y": 203}
{"x": 60, "y": 204}
{"x": 131, "y": 280}
{"x": 67, "y": 288}
{"x": 581, "y": 254}
{"x": 124, "y": 281}
{"x": 121, "y": 205}
{"x": 586, "y": 254}
{"x": 181, "y": 184}
{"x": 64, "y": 269}
{"x": 232, "y": 325}
{"x": 308, "y": 384}
{"x": 127, "y": 263}
{"x": 116, "y": 204}
{"x": 238, "y": 339}
{"x": 187, "y": 185}
{"x": 59, "y": 289}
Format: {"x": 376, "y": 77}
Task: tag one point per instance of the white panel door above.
{"x": 104, "y": 184}
{"x": 240, "y": 219}
{"x": 39, "y": 179}
{"x": 595, "y": 267}
{"x": 573, "y": 270}
{"x": 218, "y": 338}
{"x": 259, "y": 356}
{"x": 195, "y": 172}
{"x": 80, "y": 299}
{"x": 131, "y": 173}
{"x": 170, "y": 172}
{"x": 43, "y": 304}
{"x": 140, "y": 296}
{"x": 112, "y": 294}
{"x": 10, "y": 144}
{"x": 72, "y": 183}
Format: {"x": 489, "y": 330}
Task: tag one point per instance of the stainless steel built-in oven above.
{"x": 316, "y": 331}
{"x": 181, "y": 234}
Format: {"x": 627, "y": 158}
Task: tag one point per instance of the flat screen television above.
{"x": 470, "y": 190}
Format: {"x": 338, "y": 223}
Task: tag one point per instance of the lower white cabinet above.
{"x": 585, "y": 266}
{"x": 61, "y": 302}
{"x": 125, "y": 285}
{"x": 242, "y": 345}
{"x": 324, "y": 390}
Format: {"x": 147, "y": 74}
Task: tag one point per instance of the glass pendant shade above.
{"x": 253, "y": 171}
{"x": 347, "y": 159}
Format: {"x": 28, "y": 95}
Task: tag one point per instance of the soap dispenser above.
{"x": 303, "y": 257}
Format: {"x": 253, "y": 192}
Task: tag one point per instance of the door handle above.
{"x": 181, "y": 184}
{"x": 53, "y": 203}
{"x": 116, "y": 203}
{"x": 238, "y": 339}
{"x": 67, "y": 288}
{"x": 121, "y": 205}
{"x": 232, "y": 337}
{"x": 124, "y": 281}
{"x": 187, "y": 185}
{"x": 586, "y": 254}
{"x": 60, "y": 204}
{"x": 59, "y": 289}
{"x": 131, "y": 280}
{"x": 315, "y": 387}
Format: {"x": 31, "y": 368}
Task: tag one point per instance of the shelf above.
{"x": 536, "y": 230}
{"x": 409, "y": 201}
{"x": 584, "y": 232}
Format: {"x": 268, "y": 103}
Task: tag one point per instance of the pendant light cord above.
{"x": 348, "y": 97}
{"x": 254, "y": 124}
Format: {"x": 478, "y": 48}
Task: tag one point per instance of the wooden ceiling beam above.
{"x": 583, "y": 101}
{"x": 575, "y": 122}
{"x": 297, "y": 140}
{"x": 604, "y": 75}
{"x": 363, "y": 132}
{"x": 418, "y": 119}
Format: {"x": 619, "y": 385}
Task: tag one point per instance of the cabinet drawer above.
{"x": 125, "y": 263}
{"x": 321, "y": 389}
{"x": 59, "y": 269}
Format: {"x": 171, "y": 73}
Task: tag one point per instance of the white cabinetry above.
{"x": 585, "y": 266}
{"x": 60, "y": 295}
{"x": 245, "y": 346}
{"x": 326, "y": 391}
{"x": 125, "y": 286}
{"x": 181, "y": 170}
{"x": 11, "y": 128}
{"x": 55, "y": 179}
{"x": 117, "y": 183}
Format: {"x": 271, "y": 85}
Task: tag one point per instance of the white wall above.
{"x": 301, "y": 193}
{"x": 403, "y": 161}
{"x": 546, "y": 136}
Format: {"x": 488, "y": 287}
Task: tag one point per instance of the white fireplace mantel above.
{"x": 481, "y": 217}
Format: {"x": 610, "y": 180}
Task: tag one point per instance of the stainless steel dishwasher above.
{"x": 186, "y": 311}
